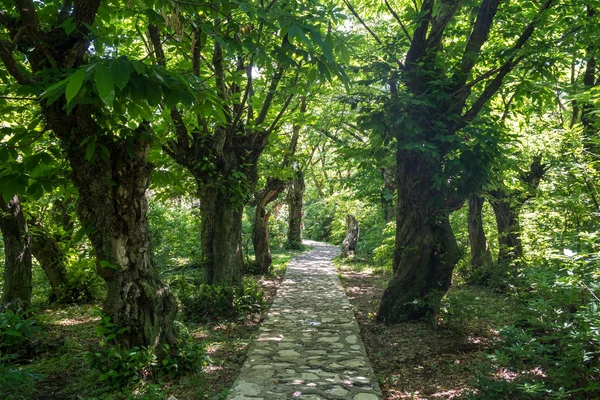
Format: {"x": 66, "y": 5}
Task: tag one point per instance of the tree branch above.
{"x": 11, "y": 65}
{"x": 418, "y": 46}
{"x": 397, "y": 17}
{"x": 479, "y": 35}
{"x": 507, "y": 67}
{"x": 447, "y": 10}
{"x": 353, "y": 11}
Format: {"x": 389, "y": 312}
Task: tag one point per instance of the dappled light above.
{"x": 312, "y": 199}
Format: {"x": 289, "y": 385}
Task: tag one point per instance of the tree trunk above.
{"x": 507, "y": 212}
{"x": 425, "y": 248}
{"x": 295, "y": 194}
{"x": 260, "y": 231}
{"x": 17, "y": 248}
{"x": 481, "y": 258}
{"x": 349, "y": 244}
{"x": 111, "y": 181}
{"x": 47, "y": 252}
{"x": 387, "y": 196}
{"x": 221, "y": 237}
{"x": 112, "y": 206}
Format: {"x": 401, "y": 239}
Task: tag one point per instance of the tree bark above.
{"x": 221, "y": 237}
{"x": 48, "y": 253}
{"x": 17, "y": 255}
{"x": 351, "y": 240}
{"x": 296, "y": 192}
{"x": 481, "y": 257}
{"x": 112, "y": 206}
{"x": 425, "y": 248}
{"x": 387, "y": 196}
{"x": 506, "y": 210}
{"x": 260, "y": 231}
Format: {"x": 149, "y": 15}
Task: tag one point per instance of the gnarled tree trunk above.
{"x": 221, "y": 237}
{"x": 351, "y": 240}
{"x": 112, "y": 205}
{"x": 295, "y": 194}
{"x": 481, "y": 257}
{"x": 387, "y": 195}
{"x": 47, "y": 252}
{"x": 425, "y": 248}
{"x": 260, "y": 231}
{"x": 17, "y": 255}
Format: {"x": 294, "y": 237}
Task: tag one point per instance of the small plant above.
{"x": 215, "y": 302}
{"x": 17, "y": 331}
{"x": 17, "y": 334}
{"x": 124, "y": 366}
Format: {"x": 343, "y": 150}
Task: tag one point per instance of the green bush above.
{"x": 554, "y": 342}
{"x": 124, "y": 366}
{"x": 18, "y": 330}
{"x": 18, "y": 334}
{"x": 216, "y": 302}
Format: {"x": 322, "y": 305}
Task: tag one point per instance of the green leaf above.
{"x": 105, "y": 85}
{"x": 89, "y": 151}
{"x": 121, "y": 71}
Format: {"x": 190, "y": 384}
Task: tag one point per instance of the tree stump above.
{"x": 349, "y": 243}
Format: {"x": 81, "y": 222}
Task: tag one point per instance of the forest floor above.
{"x": 60, "y": 370}
{"x": 416, "y": 360}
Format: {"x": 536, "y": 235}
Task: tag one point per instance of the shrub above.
{"x": 124, "y": 366}
{"x": 216, "y": 302}
{"x": 18, "y": 330}
{"x": 18, "y": 333}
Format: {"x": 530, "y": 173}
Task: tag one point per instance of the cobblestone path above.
{"x": 309, "y": 345}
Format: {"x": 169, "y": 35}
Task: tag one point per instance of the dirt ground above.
{"x": 412, "y": 360}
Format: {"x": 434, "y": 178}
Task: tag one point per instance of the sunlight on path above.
{"x": 309, "y": 345}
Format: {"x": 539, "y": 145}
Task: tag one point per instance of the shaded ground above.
{"x": 70, "y": 332}
{"x": 412, "y": 360}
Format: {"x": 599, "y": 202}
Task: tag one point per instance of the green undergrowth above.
{"x": 69, "y": 351}
{"x": 539, "y": 335}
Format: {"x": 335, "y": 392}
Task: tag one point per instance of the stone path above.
{"x": 309, "y": 345}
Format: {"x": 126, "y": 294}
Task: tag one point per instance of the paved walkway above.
{"x": 309, "y": 345}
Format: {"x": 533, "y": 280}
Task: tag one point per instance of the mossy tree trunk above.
{"x": 431, "y": 104}
{"x": 481, "y": 257}
{"x": 295, "y": 203}
{"x": 425, "y": 253}
{"x": 260, "y": 230}
{"x": 17, "y": 288}
{"x": 222, "y": 153}
{"x": 111, "y": 205}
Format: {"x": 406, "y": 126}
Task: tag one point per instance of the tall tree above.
{"x": 255, "y": 58}
{"x": 86, "y": 101}
{"x": 454, "y": 63}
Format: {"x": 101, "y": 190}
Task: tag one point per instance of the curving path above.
{"x": 309, "y": 345}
